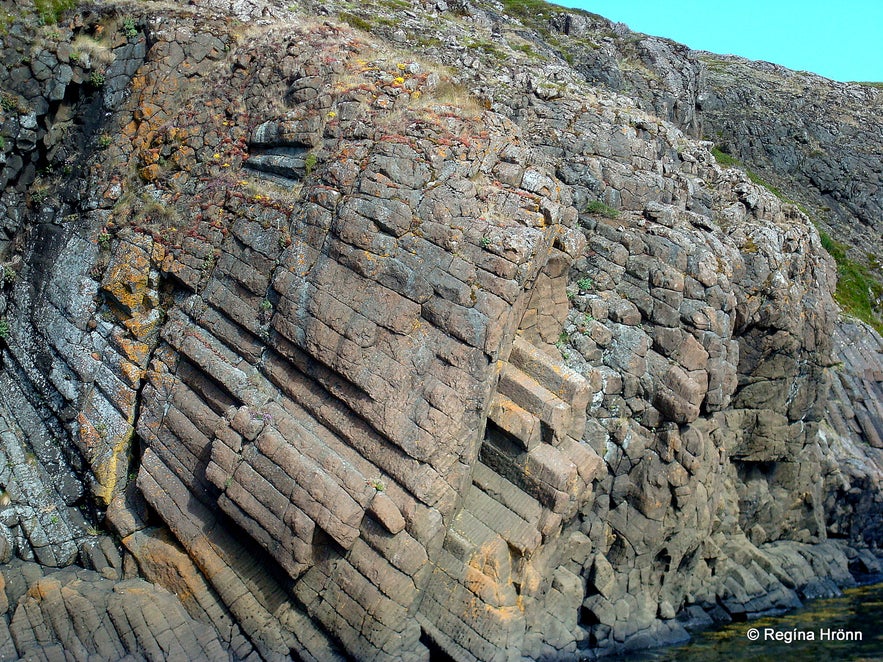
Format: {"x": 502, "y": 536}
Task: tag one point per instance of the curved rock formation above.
{"x": 361, "y": 356}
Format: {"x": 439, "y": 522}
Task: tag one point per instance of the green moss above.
{"x": 857, "y": 288}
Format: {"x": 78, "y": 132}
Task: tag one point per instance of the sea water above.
{"x": 849, "y": 627}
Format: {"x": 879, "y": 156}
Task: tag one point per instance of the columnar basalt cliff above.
{"x": 323, "y": 338}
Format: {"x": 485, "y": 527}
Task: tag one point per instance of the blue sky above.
{"x": 839, "y": 39}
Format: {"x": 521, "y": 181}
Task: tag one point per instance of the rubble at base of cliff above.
{"x": 326, "y": 337}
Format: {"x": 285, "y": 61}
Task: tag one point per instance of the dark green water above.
{"x": 858, "y": 610}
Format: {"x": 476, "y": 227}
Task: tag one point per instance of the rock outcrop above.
{"x": 313, "y": 348}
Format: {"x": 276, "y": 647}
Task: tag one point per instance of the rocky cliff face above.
{"x": 316, "y": 346}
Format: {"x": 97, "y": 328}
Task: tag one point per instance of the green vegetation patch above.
{"x": 527, "y": 49}
{"x": 724, "y": 159}
{"x": 598, "y": 207}
{"x": 757, "y": 179}
{"x": 50, "y": 11}
{"x": 730, "y": 161}
{"x": 531, "y": 9}
{"x": 129, "y": 28}
{"x": 355, "y": 21}
{"x": 857, "y": 289}
{"x": 6, "y": 20}
{"x": 487, "y": 47}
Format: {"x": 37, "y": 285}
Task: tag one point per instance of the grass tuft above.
{"x": 598, "y": 207}
{"x": 50, "y": 11}
{"x": 724, "y": 159}
{"x": 530, "y": 9}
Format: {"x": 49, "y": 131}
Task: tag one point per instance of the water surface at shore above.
{"x": 849, "y": 627}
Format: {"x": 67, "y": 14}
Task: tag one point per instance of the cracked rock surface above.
{"x": 325, "y": 339}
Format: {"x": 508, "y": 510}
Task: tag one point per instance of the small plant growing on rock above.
{"x": 561, "y": 345}
{"x": 484, "y": 242}
{"x": 377, "y": 484}
{"x": 598, "y": 207}
{"x": 96, "y": 79}
{"x": 104, "y": 141}
{"x": 6, "y": 20}
{"x": 310, "y": 163}
{"x": 4, "y": 329}
{"x": 209, "y": 262}
{"x": 104, "y": 240}
{"x": 585, "y": 284}
{"x": 128, "y": 28}
{"x": 266, "y": 305}
{"x": 39, "y": 194}
{"x": 8, "y": 102}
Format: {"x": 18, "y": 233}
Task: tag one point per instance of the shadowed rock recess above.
{"x": 415, "y": 331}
